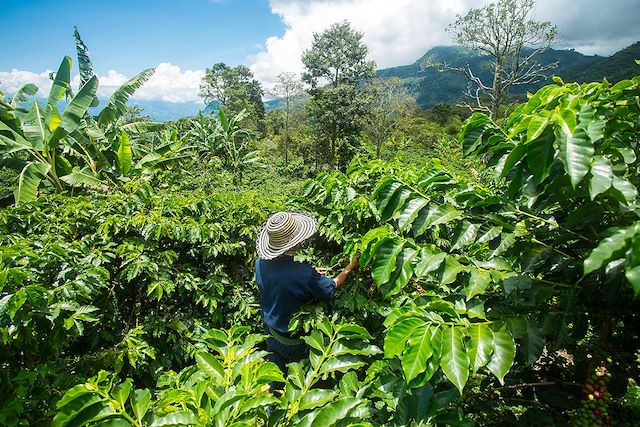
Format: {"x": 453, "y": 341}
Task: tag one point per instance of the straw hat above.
{"x": 283, "y": 231}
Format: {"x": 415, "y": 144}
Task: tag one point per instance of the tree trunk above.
{"x": 496, "y": 91}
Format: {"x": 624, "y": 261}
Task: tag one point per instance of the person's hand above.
{"x": 355, "y": 263}
{"x": 321, "y": 270}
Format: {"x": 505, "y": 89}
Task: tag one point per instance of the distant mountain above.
{"x": 162, "y": 111}
{"x": 430, "y": 86}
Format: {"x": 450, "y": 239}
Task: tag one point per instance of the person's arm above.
{"x": 342, "y": 277}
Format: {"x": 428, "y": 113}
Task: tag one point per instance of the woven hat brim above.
{"x": 306, "y": 229}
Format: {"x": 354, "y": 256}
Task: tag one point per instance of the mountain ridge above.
{"x": 430, "y": 86}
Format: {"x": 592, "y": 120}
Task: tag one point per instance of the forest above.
{"x": 498, "y": 241}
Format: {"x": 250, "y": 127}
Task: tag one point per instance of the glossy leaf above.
{"x": 480, "y": 346}
{"x": 396, "y": 338}
{"x": 140, "y": 401}
{"x": 177, "y": 418}
{"x": 477, "y": 282}
{"x": 428, "y": 261}
{"x": 576, "y": 151}
{"x": 601, "y": 176}
{"x": 124, "y": 154}
{"x": 608, "y": 249}
{"x": 503, "y": 353}
{"x": 29, "y": 181}
{"x": 419, "y": 350}
{"x": 384, "y": 262}
{"x": 454, "y": 360}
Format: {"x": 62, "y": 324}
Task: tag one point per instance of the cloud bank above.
{"x": 399, "y": 32}
{"x": 169, "y": 83}
{"x": 396, "y": 33}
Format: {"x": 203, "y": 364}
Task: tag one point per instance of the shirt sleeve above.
{"x": 322, "y": 287}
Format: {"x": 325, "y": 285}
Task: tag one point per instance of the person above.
{"x": 286, "y": 285}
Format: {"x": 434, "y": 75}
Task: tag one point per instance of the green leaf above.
{"x": 114, "y": 422}
{"x": 384, "y": 192}
{"x": 536, "y": 126}
{"x": 480, "y": 345}
{"x": 29, "y": 181}
{"x": 396, "y": 338}
{"x": 434, "y": 215}
{"x": 117, "y": 104}
{"x": 341, "y": 363}
{"x": 540, "y": 156}
{"x": 34, "y": 127}
{"x": 503, "y": 353}
{"x": 402, "y": 274}
{"x": 316, "y": 397}
{"x": 79, "y": 177}
{"x": 124, "y": 154}
{"x": 60, "y": 84}
{"x": 451, "y": 270}
{"x": 429, "y": 261}
{"x": 464, "y": 234}
{"x": 410, "y": 212}
{"x": 336, "y": 411}
{"x": 75, "y": 111}
{"x": 509, "y": 160}
{"x": 414, "y": 359}
{"x": 601, "y": 176}
{"x": 632, "y": 267}
{"x": 178, "y": 418}
{"x": 533, "y": 342}
{"x": 489, "y": 235}
{"x": 576, "y": 150}
{"x": 507, "y": 240}
{"x": 19, "y": 96}
{"x": 121, "y": 391}
{"x": 626, "y": 189}
{"x": 395, "y": 203}
{"x": 384, "y": 262}
{"x": 454, "y": 360}
{"x": 477, "y": 283}
{"x": 608, "y": 249}
{"x": 210, "y": 365}
{"x": 140, "y": 400}
{"x": 443, "y": 214}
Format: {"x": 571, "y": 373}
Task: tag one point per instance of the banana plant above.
{"x": 36, "y": 144}
{"x": 234, "y": 141}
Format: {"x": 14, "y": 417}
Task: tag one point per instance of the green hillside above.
{"x": 430, "y": 86}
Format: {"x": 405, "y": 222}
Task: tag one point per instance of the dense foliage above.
{"x": 496, "y": 289}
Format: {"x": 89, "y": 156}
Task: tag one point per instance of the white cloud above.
{"x": 396, "y": 33}
{"x": 169, "y": 83}
{"x": 399, "y": 32}
{"x": 12, "y": 81}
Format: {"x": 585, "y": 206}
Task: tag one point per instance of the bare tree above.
{"x": 390, "y": 100}
{"x": 287, "y": 89}
{"x": 505, "y": 31}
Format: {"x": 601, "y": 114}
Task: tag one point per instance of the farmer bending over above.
{"x": 286, "y": 285}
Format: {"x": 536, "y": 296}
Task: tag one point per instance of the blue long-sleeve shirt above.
{"x": 285, "y": 286}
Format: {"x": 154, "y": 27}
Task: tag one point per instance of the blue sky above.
{"x": 134, "y": 34}
{"x": 181, "y": 38}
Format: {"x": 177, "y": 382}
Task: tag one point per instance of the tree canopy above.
{"x": 335, "y": 67}
{"x": 505, "y": 31}
{"x": 235, "y": 88}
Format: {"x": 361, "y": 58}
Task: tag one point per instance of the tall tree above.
{"x": 235, "y": 88}
{"x": 335, "y": 67}
{"x": 390, "y": 101}
{"x": 505, "y": 31}
{"x": 287, "y": 89}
